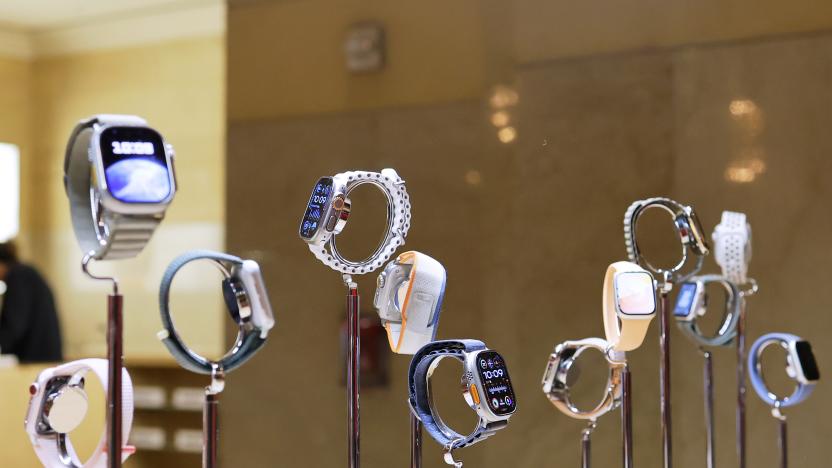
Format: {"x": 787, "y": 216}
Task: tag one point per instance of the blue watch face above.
{"x": 499, "y": 393}
{"x": 316, "y": 208}
{"x": 135, "y": 165}
{"x": 684, "y": 301}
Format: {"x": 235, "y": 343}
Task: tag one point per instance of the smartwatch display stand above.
{"x": 664, "y": 288}
{"x": 415, "y": 441}
{"x": 586, "y": 443}
{"x": 626, "y": 416}
{"x": 708, "y": 389}
{"x": 742, "y": 358}
{"x": 783, "y": 435}
{"x": 210, "y": 418}
{"x": 115, "y": 362}
{"x": 353, "y": 374}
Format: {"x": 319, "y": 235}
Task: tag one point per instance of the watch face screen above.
{"x": 634, "y": 293}
{"x": 316, "y": 208}
{"x": 135, "y": 165}
{"x": 807, "y": 360}
{"x": 499, "y": 394}
{"x": 684, "y": 301}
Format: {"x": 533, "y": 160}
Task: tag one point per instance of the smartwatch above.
{"x": 629, "y": 305}
{"x": 58, "y": 404}
{"x": 409, "y": 293}
{"x": 486, "y": 387}
{"x": 732, "y": 246}
{"x": 329, "y": 208}
{"x": 247, "y": 302}
{"x": 119, "y": 176}
{"x": 692, "y": 302}
{"x": 800, "y": 366}
{"x": 687, "y": 227}
{"x": 562, "y": 371}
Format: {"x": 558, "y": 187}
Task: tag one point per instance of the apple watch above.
{"x": 329, "y": 208}
{"x": 247, "y": 302}
{"x": 119, "y": 176}
{"x": 562, "y": 372}
{"x": 692, "y": 302}
{"x": 629, "y": 305}
{"x": 486, "y": 387}
{"x": 687, "y": 227}
{"x": 732, "y": 246}
{"x": 409, "y": 293}
{"x": 58, "y": 404}
{"x": 800, "y": 366}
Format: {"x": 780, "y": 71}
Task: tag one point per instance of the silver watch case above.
{"x": 337, "y": 213}
{"x": 470, "y": 376}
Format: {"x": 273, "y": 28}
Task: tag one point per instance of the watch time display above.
{"x": 684, "y": 301}
{"x": 495, "y": 381}
{"x": 807, "y": 360}
{"x": 634, "y": 293}
{"x": 316, "y": 208}
{"x": 135, "y": 164}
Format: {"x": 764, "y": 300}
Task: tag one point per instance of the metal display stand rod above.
{"x": 586, "y": 444}
{"x": 708, "y": 382}
{"x": 627, "y": 416}
{"x": 210, "y": 419}
{"x": 415, "y": 442}
{"x": 353, "y": 374}
{"x": 741, "y": 388}
{"x": 783, "y": 436}
{"x": 664, "y": 368}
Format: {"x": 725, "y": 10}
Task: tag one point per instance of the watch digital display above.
{"x": 684, "y": 301}
{"x": 634, "y": 293}
{"x": 316, "y": 208}
{"x": 807, "y": 360}
{"x": 135, "y": 164}
{"x": 495, "y": 381}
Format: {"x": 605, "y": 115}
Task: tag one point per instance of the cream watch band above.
{"x": 623, "y": 333}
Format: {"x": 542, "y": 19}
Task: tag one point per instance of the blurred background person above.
{"x": 29, "y": 326}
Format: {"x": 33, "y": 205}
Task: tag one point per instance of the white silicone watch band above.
{"x": 732, "y": 246}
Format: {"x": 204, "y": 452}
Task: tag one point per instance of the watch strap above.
{"x": 755, "y": 373}
{"x": 623, "y": 333}
{"x": 728, "y": 330}
{"x": 248, "y": 341}
{"x": 732, "y": 246}
{"x": 121, "y": 235}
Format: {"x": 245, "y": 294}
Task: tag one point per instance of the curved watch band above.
{"x": 686, "y": 226}
{"x": 249, "y": 340}
{"x": 398, "y": 222}
{"x": 420, "y": 305}
{"x": 728, "y": 330}
{"x": 556, "y": 381}
{"x": 102, "y": 234}
{"x": 732, "y": 246}
{"x": 623, "y": 333}
{"x": 755, "y": 372}
{"x": 57, "y": 451}
{"x": 420, "y": 404}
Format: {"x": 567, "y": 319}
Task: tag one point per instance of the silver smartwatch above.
{"x": 561, "y": 374}
{"x": 119, "y": 176}
{"x": 693, "y": 301}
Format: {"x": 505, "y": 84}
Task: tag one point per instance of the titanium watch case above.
{"x": 472, "y": 382}
{"x": 101, "y": 192}
{"x": 560, "y": 375}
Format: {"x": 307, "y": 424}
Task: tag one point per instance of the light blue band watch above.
{"x": 801, "y": 368}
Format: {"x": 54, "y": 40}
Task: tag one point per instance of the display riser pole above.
{"x": 664, "y": 375}
{"x": 115, "y": 363}
{"x": 415, "y": 442}
{"x": 741, "y": 389}
{"x": 627, "y": 416}
{"x": 586, "y": 447}
{"x": 784, "y": 445}
{"x": 210, "y": 428}
{"x": 710, "y": 440}
{"x": 353, "y": 377}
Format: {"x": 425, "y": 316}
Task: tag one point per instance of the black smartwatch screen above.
{"x": 495, "y": 381}
{"x": 316, "y": 208}
{"x": 135, "y": 165}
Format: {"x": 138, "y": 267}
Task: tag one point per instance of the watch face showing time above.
{"x": 316, "y": 208}
{"x": 634, "y": 293}
{"x": 135, "y": 165}
{"x": 685, "y": 299}
{"x": 807, "y": 360}
{"x": 499, "y": 393}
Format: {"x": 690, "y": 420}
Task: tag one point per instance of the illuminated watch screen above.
{"x": 135, "y": 165}
{"x": 495, "y": 381}
{"x": 634, "y": 293}
{"x": 807, "y": 360}
{"x": 684, "y": 301}
{"x": 316, "y": 208}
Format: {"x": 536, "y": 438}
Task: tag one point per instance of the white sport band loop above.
{"x": 56, "y": 450}
{"x": 398, "y": 222}
{"x": 102, "y": 234}
{"x": 732, "y": 247}
{"x": 687, "y": 227}
{"x": 622, "y": 333}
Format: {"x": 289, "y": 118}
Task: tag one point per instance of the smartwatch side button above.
{"x": 330, "y": 222}
{"x": 474, "y": 394}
